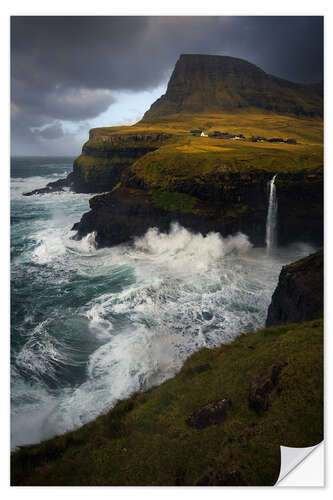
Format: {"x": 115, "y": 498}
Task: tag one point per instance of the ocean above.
{"x": 92, "y": 326}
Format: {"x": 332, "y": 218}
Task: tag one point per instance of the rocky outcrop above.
{"x": 299, "y": 293}
{"x": 204, "y": 83}
{"x": 261, "y": 387}
{"x": 51, "y": 187}
{"x": 211, "y": 414}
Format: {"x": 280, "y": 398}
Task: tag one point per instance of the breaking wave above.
{"x": 93, "y": 326}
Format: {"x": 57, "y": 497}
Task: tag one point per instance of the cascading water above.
{"x": 271, "y": 221}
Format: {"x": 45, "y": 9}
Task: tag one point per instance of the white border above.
{"x": 139, "y": 7}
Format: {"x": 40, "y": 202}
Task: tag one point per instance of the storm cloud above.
{"x": 71, "y": 68}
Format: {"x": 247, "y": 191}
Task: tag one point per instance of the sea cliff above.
{"x": 299, "y": 294}
{"x": 157, "y": 172}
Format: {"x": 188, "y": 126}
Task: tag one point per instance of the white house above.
{"x": 203, "y": 134}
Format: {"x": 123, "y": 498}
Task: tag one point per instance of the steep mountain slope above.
{"x": 205, "y": 83}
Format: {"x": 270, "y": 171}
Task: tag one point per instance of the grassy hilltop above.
{"x": 207, "y": 153}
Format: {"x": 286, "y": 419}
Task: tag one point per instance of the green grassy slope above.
{"x": 146, "y": 441}
{"x": 180, "y": 158}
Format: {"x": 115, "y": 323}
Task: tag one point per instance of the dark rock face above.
{"x": 122, "y": 215}
{"x": 244, "y": 199}
{"x": 210, "y": 414}
{"x": 300, "y": 208}
{"x": 299, "y": 293}
{"x": 203, "y": 83}
{"x": 262, "y": 386}
{"x": 237, "y": 205}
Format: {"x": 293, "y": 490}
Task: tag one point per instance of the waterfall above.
{"x": 271, "y": 221}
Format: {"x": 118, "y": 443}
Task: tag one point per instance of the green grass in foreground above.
{"x": 145, "y": 440}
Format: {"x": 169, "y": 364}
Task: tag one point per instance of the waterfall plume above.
{"x": 271, "y": 220}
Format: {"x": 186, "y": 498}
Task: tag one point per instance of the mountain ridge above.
{"x": 204, "y": 83}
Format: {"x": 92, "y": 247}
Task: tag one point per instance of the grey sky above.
{"x": 69, "y": 72}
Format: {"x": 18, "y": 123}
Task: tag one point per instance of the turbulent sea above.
{"x": 90, "y": 327}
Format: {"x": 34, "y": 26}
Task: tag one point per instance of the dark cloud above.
{"x": 66, "y": 68}
{"x": 61, "y": 102}
{"x": 135, "y": 52}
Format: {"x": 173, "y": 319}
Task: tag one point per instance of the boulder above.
{"x": 210, "y": 414}
{"x": 262, "y": 385}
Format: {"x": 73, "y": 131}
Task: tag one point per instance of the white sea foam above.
{"x": 185, "y": 251}
{"x": 42, "y": 353}
{"x": 175, "y": 293}
{"x": 152, "y": 326}
{"x": 30, "y": 412}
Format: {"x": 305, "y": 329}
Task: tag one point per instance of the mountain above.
{"x": 156, "y": 172}
{"x": 207, "y": 83}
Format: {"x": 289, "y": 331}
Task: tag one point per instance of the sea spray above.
{"x": 91, "y": 326}
{"x": 271, "y": 220}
